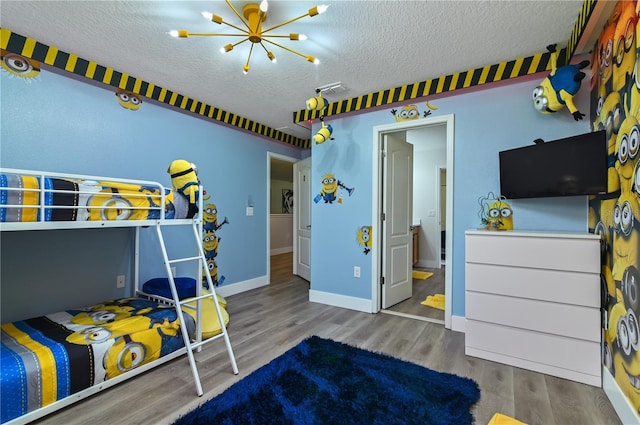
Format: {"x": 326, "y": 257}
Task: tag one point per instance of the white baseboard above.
{"x": 458, "y": 323}
{"x": 344, "y": 301}
{"x": 283, "y": 250}
{"x": 238, "y": 287}
{"x": 618, "y": 400}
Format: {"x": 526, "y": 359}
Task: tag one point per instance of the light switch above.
{"x": 249, "y": 211}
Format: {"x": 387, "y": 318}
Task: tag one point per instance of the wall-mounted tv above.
{"x": 575, "y": 165}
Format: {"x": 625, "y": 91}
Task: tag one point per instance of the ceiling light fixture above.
{"x": 254, "y": 16}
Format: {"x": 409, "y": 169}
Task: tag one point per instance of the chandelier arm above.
{"x": 277, "y": 36}
{"x": 241, "y": 41}
{"x": 285, "y": 23}
{"x": 236, "y": 27}
{"x": 209, "y": 34}
{"x": 249, "y": 57}
{"x": 285, "y": 48}
{"x": 246, "y": 24}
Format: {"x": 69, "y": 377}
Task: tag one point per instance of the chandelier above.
{"x": 254, "y": 16}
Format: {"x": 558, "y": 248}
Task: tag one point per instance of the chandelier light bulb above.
{"x": 252, "y": 17}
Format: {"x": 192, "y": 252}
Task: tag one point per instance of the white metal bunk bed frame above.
{"x": 196, "y": 225}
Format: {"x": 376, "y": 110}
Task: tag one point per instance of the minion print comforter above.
{"x": 51, "y": 357}
{"x": 81, "y": 200}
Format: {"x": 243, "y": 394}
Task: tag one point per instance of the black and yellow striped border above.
{"x": 56, "y": 58}
{"x": 578, "y": 30}
{"x": 448, "y": 83}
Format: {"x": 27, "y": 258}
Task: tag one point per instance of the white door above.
{"x": 302, "y": 218}
{"x": 397, "y": 207}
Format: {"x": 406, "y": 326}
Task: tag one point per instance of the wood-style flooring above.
{"x": 267, "y": 321}
{"x": 422, "y": 288}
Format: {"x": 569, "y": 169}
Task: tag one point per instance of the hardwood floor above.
{"x": 267, "y": 321}
{"x": 421, "y": 289}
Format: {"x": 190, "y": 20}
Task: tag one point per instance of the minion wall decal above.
{"x": 128, "y": 100}
{"x": 211, "y": 241}
{"x": 19, "y": 66}
{"x": 210, "y": 218}
{"x": 364, "y": 236}
{"x": 410, "y": 113}
{"x": 495, "y": 212}
{"x": 332, "y": 190}
{"x": 615, "y": 97}
{"x": 210, "y": 244}
{"x": 558, "y": 89}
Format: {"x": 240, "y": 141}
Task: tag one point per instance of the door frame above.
{"x": 376, "y": 207}
{"x": 270, "y": 156}
{"x": 296, "y": 214}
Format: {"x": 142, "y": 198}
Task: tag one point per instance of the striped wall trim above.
{"x": 578, "y": 30}
{"x": 53, "y": 57}
{"x": 446, "y": 83}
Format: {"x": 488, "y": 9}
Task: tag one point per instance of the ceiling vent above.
{"x": 331, "y": 89}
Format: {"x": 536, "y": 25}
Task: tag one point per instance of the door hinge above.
{"x": 381, "y": 280}
{"x": 383, "y": 216}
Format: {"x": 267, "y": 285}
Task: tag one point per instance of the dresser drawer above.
{"x": 581, "y": 254}
{"x": 576, "y": 288}
{"x": 568, "y": 358}
{"x": 540, "y": 316}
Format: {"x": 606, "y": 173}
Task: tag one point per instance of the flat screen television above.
{"x": 575, "y": 165}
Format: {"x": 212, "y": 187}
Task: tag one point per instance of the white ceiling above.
{"x": 366, "y": 45}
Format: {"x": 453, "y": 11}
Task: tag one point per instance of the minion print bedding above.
{"x": 48, "y": 358}
{"x": 84, "y": 200}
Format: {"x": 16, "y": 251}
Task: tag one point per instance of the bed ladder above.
{"x": 198, "y": 343}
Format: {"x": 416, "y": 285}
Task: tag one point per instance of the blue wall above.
{"x": 59, "y": 124}
{"x": 55, "y": 123}
{"x": 486, "y": 121}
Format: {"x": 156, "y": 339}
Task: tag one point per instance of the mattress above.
{"x": 30, "y": 198}
{"x": 48, "y": 358}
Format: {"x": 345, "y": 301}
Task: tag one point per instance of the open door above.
{"x": 302, "y": 219}
{"x": 397, "y": 207}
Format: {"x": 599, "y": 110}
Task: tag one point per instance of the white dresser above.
{"x": 533, "y": 301}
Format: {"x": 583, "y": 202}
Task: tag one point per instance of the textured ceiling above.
{"x": 366, "y": 45}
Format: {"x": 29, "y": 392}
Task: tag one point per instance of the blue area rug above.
{"x": 326, "y": 382}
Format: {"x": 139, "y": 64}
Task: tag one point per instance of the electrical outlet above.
{"x": 120, "y": 281}
{"x": 249, "y": 211}
{"x": 356, "y": 271}
{"x": 173, "y": 271}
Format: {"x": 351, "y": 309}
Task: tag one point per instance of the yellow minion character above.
{"x": 364, "y": 238}
{"x": 499, "y": 216}
{"x": 185, "y": 181}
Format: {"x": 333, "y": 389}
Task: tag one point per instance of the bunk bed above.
{"x": 52, "y": 361}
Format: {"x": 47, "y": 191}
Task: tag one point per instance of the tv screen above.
{"x": 575, "y": 165}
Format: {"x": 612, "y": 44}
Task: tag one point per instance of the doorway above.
{"x": 379, "y": 245}
{"x": 280, "y": 213}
